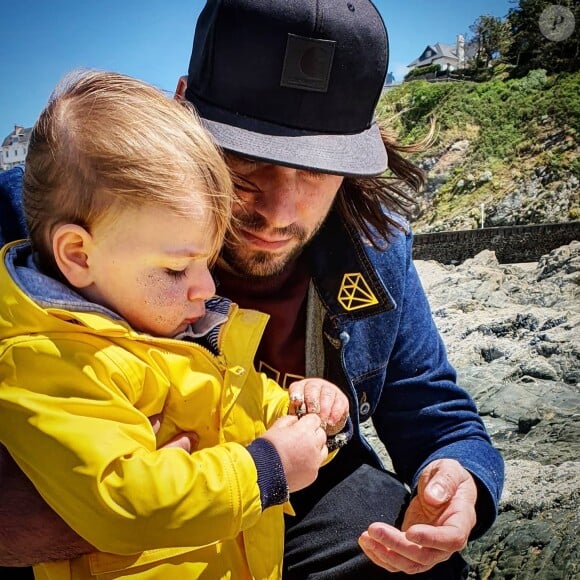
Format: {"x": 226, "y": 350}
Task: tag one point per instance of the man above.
{"x": 288, "y": 89}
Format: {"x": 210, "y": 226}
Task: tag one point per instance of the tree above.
{"x": 531, "y": 48}
{"x": 492, "y": 36}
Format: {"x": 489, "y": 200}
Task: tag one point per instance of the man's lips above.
{"x": 263, "y": 242}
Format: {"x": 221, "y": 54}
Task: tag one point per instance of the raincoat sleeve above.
{"x": 77, "y": 434}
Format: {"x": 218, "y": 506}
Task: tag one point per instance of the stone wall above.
{"x": 511, "y": 244}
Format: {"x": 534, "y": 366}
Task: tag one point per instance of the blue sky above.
{"x": 151, "y": 40}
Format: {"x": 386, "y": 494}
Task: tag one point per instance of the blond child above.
{"x": 109, "y": 317}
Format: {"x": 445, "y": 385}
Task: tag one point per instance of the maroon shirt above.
{"x": 281, "y": 354}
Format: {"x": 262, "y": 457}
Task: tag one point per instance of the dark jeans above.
{"x": 321, "y": 543}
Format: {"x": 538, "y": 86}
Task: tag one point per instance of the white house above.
{"x": 15, "y": 147}
{"x": 449, "y": 57}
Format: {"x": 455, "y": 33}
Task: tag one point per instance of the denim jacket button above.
{"x": 344, "y": 337}
{"x": 365, "y": 408}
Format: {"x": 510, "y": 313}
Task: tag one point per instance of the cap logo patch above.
{"x": 307, "y": 63}
{"x": 355, "y": 293}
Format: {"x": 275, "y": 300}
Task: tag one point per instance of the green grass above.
{"x": 510, "y": 115}
{"x": 513, "y": 125}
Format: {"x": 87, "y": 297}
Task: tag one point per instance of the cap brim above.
{"x": 360, "y": 154}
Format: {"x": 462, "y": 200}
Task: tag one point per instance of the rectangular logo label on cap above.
{"x": 307, "y": 63}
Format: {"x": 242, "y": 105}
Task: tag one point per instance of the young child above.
{"x": 108, "y": 318}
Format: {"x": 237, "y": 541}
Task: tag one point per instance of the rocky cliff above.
{"x": 513, "y": 333}
{"x": 506, "y": 151}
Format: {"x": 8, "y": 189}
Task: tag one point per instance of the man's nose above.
{"x": 278, "y": 201}
{"x": 203, "y": 286}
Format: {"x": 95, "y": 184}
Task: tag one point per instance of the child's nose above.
{"x": 203, "y": 287}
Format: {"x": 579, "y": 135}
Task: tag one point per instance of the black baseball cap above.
{"x": 292, "y": 82}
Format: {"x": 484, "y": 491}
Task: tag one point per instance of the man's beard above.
{"x": 257, "y": 264}
{"x": 251, "y": 263}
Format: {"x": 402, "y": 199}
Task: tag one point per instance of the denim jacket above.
{"x": 12, "y": 226}
{"x": 380, "y": 344}
{"x": 371, "y": 332}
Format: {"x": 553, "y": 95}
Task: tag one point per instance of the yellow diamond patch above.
{"x": 355, "y": 293}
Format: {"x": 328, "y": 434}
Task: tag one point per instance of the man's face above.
{"x": 275, "y": 222}
{"x": 151, "y": 267}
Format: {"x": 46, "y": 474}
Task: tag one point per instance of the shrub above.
{"x": 422, "y": 71}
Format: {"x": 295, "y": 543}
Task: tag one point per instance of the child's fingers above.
{"x": 338, "y": 414}
{"x": 312, "y": 390}
{"x": 296, "y": 394}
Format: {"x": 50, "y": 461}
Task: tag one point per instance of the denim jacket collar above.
{"x": 347, "y": 283}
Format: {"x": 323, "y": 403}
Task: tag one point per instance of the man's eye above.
{"x": 245, "y": 162}
{"x": 241, "y": 163}
{"x": 175, "y": 273}
{"x": 314, "y": 175}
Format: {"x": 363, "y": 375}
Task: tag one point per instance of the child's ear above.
{"x": 71, "y": 245}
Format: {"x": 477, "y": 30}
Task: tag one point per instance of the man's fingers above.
{"x": 393, "y": 549}
{"x": 437, "y": 522}
{"x": 402, "y": 547}
{"x": 451, "y": 535}
{"x": 439, "y": 491}
{"x": 187, "y": 441}
{"x": 420, "y": 559}
{"x": 440, "y": 481}
{"x": 155, "y": 421}
{"x": 447, "y": 538}
{"x": 376, "y": 553}
{"x": 393, "y": 539}
{"x": 440, "y": 486}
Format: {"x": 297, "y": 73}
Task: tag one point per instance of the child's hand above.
{"x": 301, "y": 446}
{"x": 322, "y": 398}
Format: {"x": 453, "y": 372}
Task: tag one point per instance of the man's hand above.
{"x": 322, "y": 398}
{"x": 437, "y": 522}
{"x": 187, "y": 440}
{"x": 301, "y": 446}
{"x": 30, "y": 531}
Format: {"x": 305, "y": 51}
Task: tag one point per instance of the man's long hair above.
{"x": 374, "y": 206}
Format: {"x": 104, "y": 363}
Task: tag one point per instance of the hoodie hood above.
{"x": 33, "y": 302}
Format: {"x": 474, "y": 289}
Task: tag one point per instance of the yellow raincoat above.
{"x": 76, "y": 390}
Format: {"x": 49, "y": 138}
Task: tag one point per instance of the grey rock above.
{"x": 485, "y": 177}
{"x": 512, "y": 332}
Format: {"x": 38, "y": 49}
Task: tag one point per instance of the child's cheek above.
{"x": 160, "y": 293}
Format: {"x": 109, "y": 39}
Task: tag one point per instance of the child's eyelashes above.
{"x": 177, "y": 274}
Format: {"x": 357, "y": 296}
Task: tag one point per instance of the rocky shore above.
{"x": 513, "y": 333}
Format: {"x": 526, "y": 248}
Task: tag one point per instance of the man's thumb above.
{"x": 438, "y": 491}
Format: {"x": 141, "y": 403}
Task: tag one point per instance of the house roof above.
{"x": 22, "y": 134}
{"x": 435, "y": 51}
